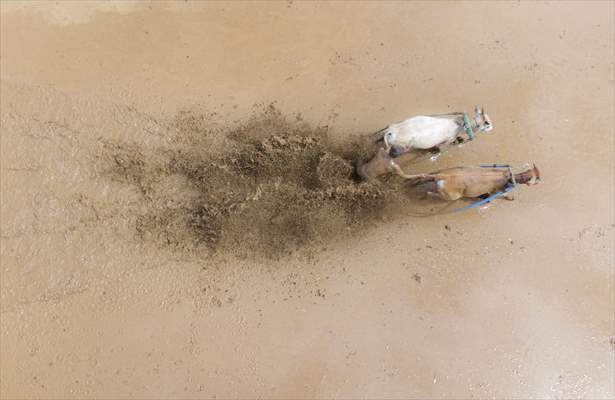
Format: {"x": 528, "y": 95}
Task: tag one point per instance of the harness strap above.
{"x": 507, "y": 166}
{"x": 512, "y": 176}
{"x": 502, "y": 166}
{"x": 446, "y": 114}
{"x": 487, "y": 200}
{"x": 467, "y": 127}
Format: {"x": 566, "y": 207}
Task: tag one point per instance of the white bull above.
{"x": 430, "y": 132}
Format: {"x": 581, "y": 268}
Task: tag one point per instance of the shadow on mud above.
{"x": 267, "y": 188}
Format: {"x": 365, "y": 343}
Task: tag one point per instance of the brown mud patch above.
{"x": 269, "y": 187}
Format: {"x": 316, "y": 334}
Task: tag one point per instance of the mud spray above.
{"x": 269, "y": 187}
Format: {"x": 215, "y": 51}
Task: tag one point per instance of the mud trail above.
{"x": 269, "y": 187}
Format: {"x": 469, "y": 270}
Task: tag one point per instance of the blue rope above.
{"x": 494, "y": 196}
{"x": 487, "y": 200}
{"x": 495, "y": 166}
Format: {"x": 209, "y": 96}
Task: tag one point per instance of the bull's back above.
{"x": 485, "y": 181}
{"x": 423, "y": 132}
{"x": 471, "y": 181}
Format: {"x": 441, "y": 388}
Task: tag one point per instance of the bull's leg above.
{"x": 426, "y": 189}
{"x": 407, "y": 157}
{"x": 458, "y": 141}
{"x": 451, "y": 196}
{"x": 435, "y": 153}
{"x": 447, "y": 192}
{"x": 509, "y": 197}
{"x": 397, "y": 170}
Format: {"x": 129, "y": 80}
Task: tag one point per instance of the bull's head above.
{"x": 483, "y": 122}
{"x": 529, "y": 176}
{"x": 535, "y": 176}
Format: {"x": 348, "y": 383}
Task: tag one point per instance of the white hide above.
{"x": 422, "y": 132}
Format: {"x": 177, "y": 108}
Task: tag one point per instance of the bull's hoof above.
{"x": 360, "y": 169}
{"x": 396, "y": 151}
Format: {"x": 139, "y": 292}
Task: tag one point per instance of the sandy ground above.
{"x": 515, "y": 301}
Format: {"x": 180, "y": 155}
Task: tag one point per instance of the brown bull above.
{"x": 471, "y": 182}
{"x": 451, "y": 183}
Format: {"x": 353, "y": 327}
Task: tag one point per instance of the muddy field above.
{"x": 180, "y": 215}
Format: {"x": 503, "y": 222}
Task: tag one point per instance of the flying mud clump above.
{"x": 266, "y": 188}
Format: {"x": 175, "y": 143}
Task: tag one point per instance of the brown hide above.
{"x": 455, "y": 183}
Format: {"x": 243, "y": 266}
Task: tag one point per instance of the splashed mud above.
{"x": 268, "y": 187}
